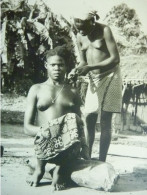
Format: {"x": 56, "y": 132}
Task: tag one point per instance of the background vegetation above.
{"x": 29, "y": 31}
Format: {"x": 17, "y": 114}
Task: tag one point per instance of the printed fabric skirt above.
{"x": 104, "y": 92}
{"x": 60, "y": 139}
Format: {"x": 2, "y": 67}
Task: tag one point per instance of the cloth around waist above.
{"x": 98, "y": 77}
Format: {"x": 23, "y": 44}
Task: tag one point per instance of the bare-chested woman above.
{"x": 99, "y": 58}
{"x": 58, "y": 132}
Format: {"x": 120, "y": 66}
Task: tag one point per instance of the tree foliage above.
{"x": 127, "y": 29}
{"x": 28, "y": 32}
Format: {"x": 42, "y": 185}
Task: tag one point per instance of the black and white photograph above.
{"x": 73, "y": 97}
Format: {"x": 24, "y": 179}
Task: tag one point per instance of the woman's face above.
{"x": 56, "y": 68}
{"x": 83, "y": 26}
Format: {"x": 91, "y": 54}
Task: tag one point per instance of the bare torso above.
{"x": 65, "y": 102}
{"x": 94, "y": 47}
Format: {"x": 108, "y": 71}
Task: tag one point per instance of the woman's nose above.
{"x": 56, "y": 67}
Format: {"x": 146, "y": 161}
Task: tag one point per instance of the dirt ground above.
{"x": 127, "y": 154}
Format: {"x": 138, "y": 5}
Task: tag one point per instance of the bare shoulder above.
{"x": 79, "y": 37}
{"x": 105, "y": 28}
{"x": 34, "y": 89}
{"x": 107, "y": 32}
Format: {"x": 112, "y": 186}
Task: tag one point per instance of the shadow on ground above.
{"x": 135, "y": 181}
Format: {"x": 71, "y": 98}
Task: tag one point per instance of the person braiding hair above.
{"x": 99, "y": 60}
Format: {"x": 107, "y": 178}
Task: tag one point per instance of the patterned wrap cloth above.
{"x": 58, "y": 135}
{"x": 104, "y": 92}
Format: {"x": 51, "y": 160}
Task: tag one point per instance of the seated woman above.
{"x": 59, "y": 135}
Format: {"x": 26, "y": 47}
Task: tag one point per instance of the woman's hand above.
{"x": 72, "y": 74}
{"x": 83, "y": 70}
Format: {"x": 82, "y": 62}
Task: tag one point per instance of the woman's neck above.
{"x": 53, "y": 82}
{"x": 91, "y": 30}
{"x": 96, "y": 31}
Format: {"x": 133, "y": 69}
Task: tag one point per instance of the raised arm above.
{"x": 30, "y": 113}
{"x": 73, "y": 74}
{"x": 111, "y": 61}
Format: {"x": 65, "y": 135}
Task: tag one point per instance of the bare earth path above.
{"x": 128, "y": 155}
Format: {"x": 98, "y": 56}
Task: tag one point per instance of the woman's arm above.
{"x": 72, "y": 75}
{"x": 112, "y": 49}
{"x": 30, "y": 113}
{"x": 82, "y": 53}
{"x": 113, "y": 58}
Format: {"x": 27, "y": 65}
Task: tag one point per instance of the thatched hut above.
{"x": 134, "y": 108}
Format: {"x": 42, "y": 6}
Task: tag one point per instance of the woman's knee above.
{"x": 91, "y": 119}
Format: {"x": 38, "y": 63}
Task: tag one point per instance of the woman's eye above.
{"x": 59, "y": 65}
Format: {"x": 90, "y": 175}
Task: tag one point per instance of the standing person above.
{"x": 59, "y": 134}
{"x": 99, "y": 58}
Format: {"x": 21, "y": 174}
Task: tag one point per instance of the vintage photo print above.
{"x": 73, "y": 97}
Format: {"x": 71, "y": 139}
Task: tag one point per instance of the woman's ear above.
{"x": 45, "y": 65}
{"x": 65, "y": 76}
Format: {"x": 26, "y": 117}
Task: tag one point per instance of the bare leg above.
{"x": 58, "y": 181}
{"x": 64, "y": 168}
{"x": 61, "y": 177}
{"x": 38, "y": 173}
{"x": 105, "y": 138}
{"x": 90, "y": 130}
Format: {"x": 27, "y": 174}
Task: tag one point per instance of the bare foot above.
{"x": 38, "y": 173}
{"x": 60, "y": 186}
{"x": 51, "y": 189}
{"x": 35, "y": 178}
{"x": 58, "y": 182}
{"x": 57, "y": 187}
